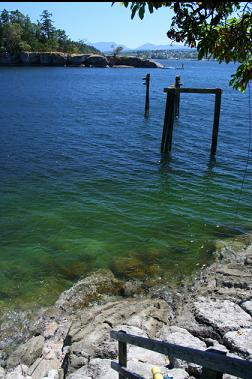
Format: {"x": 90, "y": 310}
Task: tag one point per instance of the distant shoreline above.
{"x": 59, "y": 59}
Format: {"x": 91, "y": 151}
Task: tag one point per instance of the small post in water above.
{"x": 217, "y": 107}
{"x": 147, "y": 98}
{"x": 177, "y": 97}
{"x": 166, "y": 144}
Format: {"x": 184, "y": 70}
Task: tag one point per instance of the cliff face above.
{"x": 62, "y": 59}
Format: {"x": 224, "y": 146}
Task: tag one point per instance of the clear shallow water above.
{"x": 83, "y": 187}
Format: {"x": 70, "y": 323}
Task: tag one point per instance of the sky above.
{"x": 100, "y": 22}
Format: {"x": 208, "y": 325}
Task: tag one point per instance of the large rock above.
{"x": 240, "y": 341}
{"x": 180, "y": 336}
{"x": 96, "y": 61}
{"x": 135, "y": 62}
{"x": 89, "y": 289}
{"x": 89, "y": 336}
{"x": 223, "y": 315}
{"x": 27, "y": 353}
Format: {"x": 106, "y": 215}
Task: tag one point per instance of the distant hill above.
{"x": 151, "y": 46}
{"x": 106, "y": 46}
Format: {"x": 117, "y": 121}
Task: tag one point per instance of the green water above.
{"x": 84, "y": 187}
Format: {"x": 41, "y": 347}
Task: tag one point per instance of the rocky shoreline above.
{"x": 74, "y": 60}
{"x": 71, "y": 339}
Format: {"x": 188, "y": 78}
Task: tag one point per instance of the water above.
{"x": 83, "y": 187}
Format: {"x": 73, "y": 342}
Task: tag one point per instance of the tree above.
{"x": 221, "y": 30}
{"x": 117, "y": 50}
{"x": 46, "y": 24}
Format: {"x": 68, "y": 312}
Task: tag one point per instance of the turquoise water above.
{"x": 83, "y": 185}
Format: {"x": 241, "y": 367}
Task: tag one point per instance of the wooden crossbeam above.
{"x": 193, "y": 90}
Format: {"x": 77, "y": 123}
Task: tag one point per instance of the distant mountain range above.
{"x": 109, "y": 46}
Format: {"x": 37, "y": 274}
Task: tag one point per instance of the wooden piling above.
{"x": 217, "y": 107}
{"x": 166, "y": 143}
{"x": 177, "y": 97}
{"x": 147, "y": 97}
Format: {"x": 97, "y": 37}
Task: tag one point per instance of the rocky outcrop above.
{"x": 134, "y": 62}
{"x": 62, "y": 59}
{"x": 71, "y": 339}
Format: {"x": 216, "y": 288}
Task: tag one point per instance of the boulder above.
{"x": 223, "y": 315}
{"x": 26, "y": 353}
{"x": 239, "y": 341}
{"x": 180, "y": 336}
{"x": 96, "y": 61}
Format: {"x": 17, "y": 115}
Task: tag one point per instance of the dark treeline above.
{"x": 18, "y": 33}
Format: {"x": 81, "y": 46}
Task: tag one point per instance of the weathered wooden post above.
{"x": 122, "y": 354}
{"x": 177, "y": 99}
{"x": 217, "y": 107}
{"x": 166, "y": 143}
{"x": 147, "y": 97}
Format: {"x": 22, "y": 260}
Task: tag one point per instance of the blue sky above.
{"x": 98, "y": 21}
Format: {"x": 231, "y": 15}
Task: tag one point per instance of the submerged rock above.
{"x": 89, "y": 289}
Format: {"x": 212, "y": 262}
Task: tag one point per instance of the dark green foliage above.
{"x": 218, "y": 29}
{"x": 18, "y": 33}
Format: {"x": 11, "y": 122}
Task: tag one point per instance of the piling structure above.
{"x": 172, "y": 109}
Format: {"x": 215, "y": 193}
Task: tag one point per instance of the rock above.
{"x": 89, "y": 336}
{"x": 50, "y": 329}
{"x": 27, "y": 353}
{"x": 178, "y": 373}
{"x": 30, "y": 58}
{"x": 96, "y": 368}
{"x": 45, "y": 59}
{"x": 132, "y": 287}
{"x": 239, "y": 341}
{"x": 182, "y": 337}
{"x": 96, "y": 61}
{"x": 136, "y": 353}
{"x": 41, "y": 367}
{"x": 59, "y": 59}
{"x": 247, "y": 306}
{"x": 77, "y": 59}
{"x": 89, "y": 289}
{"x": 223, "y": 315}
{"x": 9, "y": 59}
{"x": 20, "y": 372}
{"x": 134, "y": 61}
{"x": 3, "y": 358}
{"x": 2, "y": 373}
